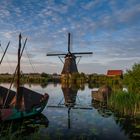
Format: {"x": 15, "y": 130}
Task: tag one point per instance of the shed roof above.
{"x": 114, "y": 72}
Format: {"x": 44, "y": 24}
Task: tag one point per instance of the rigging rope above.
{"x": 33, "y": 66}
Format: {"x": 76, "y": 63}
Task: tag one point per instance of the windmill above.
{"x": 70, "y": 65}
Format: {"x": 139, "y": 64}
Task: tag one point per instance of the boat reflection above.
{"x": 24, "y": 127}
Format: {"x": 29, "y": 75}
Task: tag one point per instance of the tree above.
{"x": 43, "y": 74}
{"x": 132, "y": 79}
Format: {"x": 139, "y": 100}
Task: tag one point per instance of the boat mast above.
{"x": 18, "y": 95}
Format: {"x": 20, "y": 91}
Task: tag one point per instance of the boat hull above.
{"x": 12, "y": 114}
{"x": 34, "y": 103}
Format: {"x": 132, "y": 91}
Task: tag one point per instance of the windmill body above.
{"x": 69, "y": 64}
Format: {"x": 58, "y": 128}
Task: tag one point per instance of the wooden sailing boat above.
{"x": 24, "y": 102}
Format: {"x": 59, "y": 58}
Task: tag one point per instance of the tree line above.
{"x": 131, "y": 79}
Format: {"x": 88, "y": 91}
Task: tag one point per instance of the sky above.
{"x": 108, "y": 28}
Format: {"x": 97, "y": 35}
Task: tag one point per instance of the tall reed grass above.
{"x": 125, "y": 103}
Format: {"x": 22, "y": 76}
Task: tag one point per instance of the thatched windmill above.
{"x": 70, "y": 65}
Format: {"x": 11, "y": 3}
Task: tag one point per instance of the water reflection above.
{"x": 100, "y": 99}
{"x": 80, "y": 114}
{"x": 69, "y": 99}
{"x": 70, "y": 95}
{"x": 131, "y": 126}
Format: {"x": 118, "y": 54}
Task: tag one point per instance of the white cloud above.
{"x": 91, "y": 4}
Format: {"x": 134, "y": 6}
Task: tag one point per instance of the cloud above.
{"x": 91, "y": 4}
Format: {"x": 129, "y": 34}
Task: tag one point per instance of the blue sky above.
{"x": 108, "y": 28}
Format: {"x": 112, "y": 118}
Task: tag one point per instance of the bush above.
{"x": 132, "y": 79}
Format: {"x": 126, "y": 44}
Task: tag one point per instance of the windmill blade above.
{"x": 55, "y": 54}
{"x": 82, "y": 53}
{"x": 77, "y": 53}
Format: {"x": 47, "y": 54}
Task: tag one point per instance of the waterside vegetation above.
{"x": 128, "y": 103}
{"x": 125, "y": 103}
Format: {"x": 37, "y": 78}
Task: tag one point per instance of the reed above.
{"x": 125, "y": 103}
{"x": 19, "y": 134}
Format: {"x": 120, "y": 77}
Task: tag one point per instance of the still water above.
{"x": 72, "y": 114}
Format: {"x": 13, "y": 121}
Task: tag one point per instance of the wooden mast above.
{"x": 18, "y": 95}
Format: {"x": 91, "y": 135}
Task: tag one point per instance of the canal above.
{"x": 71, "y": 113}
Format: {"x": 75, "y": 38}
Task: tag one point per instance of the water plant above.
{"x": 12, "y": 132}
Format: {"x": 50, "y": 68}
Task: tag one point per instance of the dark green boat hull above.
{"x": 34, "y": 103}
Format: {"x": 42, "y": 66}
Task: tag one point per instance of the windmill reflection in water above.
{"x": 69, "y": 100}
